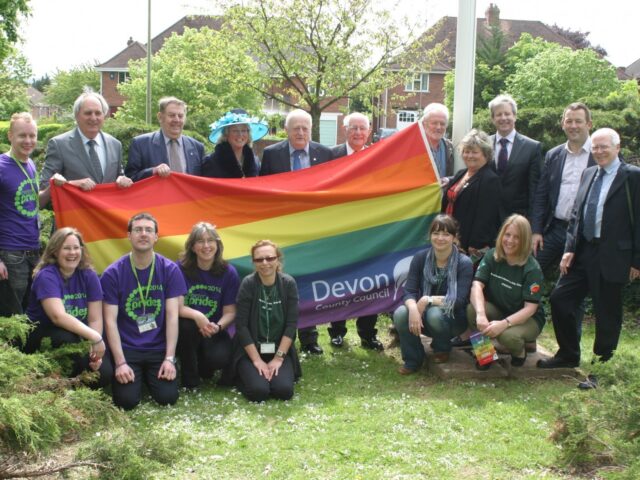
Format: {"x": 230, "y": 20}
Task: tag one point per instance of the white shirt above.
{"x": 100, "y": 147}
{"x": 574, "y": 165}
{"x": 497, "y": 146}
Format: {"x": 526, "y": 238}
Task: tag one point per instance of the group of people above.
{"x": 506, "y": 217}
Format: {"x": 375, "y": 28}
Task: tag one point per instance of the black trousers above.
{"x": 201, "y": 356}
{"x": 60, "y": 336}
{"x": 257, "y": 388}
{"x": 145, "y": 366}
{"x": 583, "y": 278}
{"x": 308, "y": 335}
{"x": 366, "y": 326}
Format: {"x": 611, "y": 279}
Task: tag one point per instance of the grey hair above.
{"x": 87, "y": 92}
{"x": 477, "y": 138}
{"x": 164, "y": 102}
{"x": 435, "y": 108}
{"x": 503, "y": 98}
{"x": 610, "y": 132}
{"x": 354, "y": 115}
{"x": 297, "y": 113}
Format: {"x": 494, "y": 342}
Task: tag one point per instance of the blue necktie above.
{"x": 503, "y": 156}
{"x": 589, "y": 230}
{"x": 297, "y": 165}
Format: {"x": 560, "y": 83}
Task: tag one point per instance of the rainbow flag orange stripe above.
{"x": 348, "y": 227}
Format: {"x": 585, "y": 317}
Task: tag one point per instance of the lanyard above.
{"x": 267, "y": 306}
{"x": 33, "y": 181}
{"x": 135, "y": 274}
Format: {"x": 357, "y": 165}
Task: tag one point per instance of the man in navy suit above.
{"x": 358, "y": 129}
{"x": 295, "y": 153}
{"x": 601, "y": 255}
{"x": 166, "y": 150}
{"x": 517, "y": 159}
{"x": 558, "y": 186}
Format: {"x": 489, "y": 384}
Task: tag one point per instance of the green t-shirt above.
{"x": 271, "y": 323}
{"x": 509, "y": 286}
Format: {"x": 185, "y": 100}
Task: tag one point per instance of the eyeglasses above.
{"x": 357, "y": 128}
{"x": 270, "y": 259}
{"x": 597, "y": 148}
{"x": 139, "y": 230}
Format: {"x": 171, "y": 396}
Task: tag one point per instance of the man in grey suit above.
{"x": 166, "y": 150}
{"x": 357, "y": 129}
{"x": 517, "y": 159}
{"x": 295, "y": 153}
{"x": 601, "y": 255}
{"x": 85, "y": 156}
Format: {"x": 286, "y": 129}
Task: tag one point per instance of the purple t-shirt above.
{"x": 121, "y": 288}
{"x": 76, "y": 293}
{"x": 209, "y": 293}
{"x": 18, "y": 205}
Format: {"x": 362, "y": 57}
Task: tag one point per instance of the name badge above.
{"x": 266, "y": 348}
{"x": 146, "y": 322}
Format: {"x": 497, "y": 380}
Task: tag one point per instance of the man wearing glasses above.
{"x": 166, "y": 150}
{"x": 140, "y": 308}
{"x": 601, "y": 255}
{"x": 357, "y": 129}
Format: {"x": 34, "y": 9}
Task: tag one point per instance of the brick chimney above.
{"x": 130, "y": 41}
{"x": 492, "y": 15}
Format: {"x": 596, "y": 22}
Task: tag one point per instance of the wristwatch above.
{"x": 280, "y": 354}
{"x": 171, "y": 359}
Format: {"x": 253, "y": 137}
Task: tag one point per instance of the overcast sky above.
{"x": 65, "y": 33}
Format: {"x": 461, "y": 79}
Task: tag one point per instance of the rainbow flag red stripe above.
{"x": 348, "y": 228}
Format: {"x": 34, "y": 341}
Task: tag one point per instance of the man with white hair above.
{"x": 601, "y": 255}
{"x": 357, "y": 129}
{"x": 435, "y": 120}
{"x": 296, "y": 153}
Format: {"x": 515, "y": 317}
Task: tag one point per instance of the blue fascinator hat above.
{"x": 238, "y": 116}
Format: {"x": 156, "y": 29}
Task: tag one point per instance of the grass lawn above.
{"x": 354, "y": 417}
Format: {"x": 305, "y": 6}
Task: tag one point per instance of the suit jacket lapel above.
{"x": 159, "y": 149}
{"x": 515, "y": 151}
{"x": 618, "y": 181}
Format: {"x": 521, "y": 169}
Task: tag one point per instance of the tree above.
{"x": 320, "y": 51}
{"x": 559, "y": 76}
{"x": 578, "y": 39}
{"x": 67, "y": 85}
{"x": 205, "y": 68}
{"x": 14, "y": 72}
{"x": 42, "y": 82}
{"x": 11, "y": 12}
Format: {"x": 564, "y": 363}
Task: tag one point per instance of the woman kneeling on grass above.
{"x": 506, "y": 292}
{"x": 209, "y": 307}
{"x": 436, "y": 296}
{"x": 265, "y": 361}
{"x": 66, "y": 303}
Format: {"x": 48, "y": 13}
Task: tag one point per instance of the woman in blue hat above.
{"x": 233, "y": 155}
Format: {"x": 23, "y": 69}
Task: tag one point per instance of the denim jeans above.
{"x": 20, "y": 265}
{"x": 440, "y": 327}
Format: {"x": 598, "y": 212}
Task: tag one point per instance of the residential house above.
{"x": 402, "y": 105}
{"x": 39, "y": 107}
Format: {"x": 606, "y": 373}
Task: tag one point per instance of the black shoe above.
{"x": 589, "y": 383}
{"x": 518, "y": 361}
{"x": 556, "y": 362}
{"x": 313, "y": 348}
{"x": 337, "y": 341}
{"x": 458, "y": 342}
{"x": 372, "y": 344}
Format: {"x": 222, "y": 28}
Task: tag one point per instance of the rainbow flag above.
{"x": 348, "y": 228}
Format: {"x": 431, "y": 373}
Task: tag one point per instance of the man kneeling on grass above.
{"x": 141, "y": 291}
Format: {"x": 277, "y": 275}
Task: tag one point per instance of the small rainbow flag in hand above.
{"x": 348, "y": 228}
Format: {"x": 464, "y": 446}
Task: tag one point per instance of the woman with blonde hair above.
{"x": 65, "y": 303}
{"x": 265, "y": 360}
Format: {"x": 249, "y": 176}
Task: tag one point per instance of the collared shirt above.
{"x": 497, "y": 146}
{"x": 100, "y": 147}
{"x": 167, "y": 143}
{"x": 611, "y": 171}
{"x": 439, "y": 156}
{"x": 351, "y": 151}
{"x": 574, "y": 165}
{"x": 304, "y": 157}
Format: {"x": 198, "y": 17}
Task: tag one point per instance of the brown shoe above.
{"x": 441, "y": 357}
{"x": 405, "y": 371}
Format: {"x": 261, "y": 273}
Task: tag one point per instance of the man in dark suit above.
{"x": 166, "y": 150}
{"x": 517, "y": 159}
{"x": 357, "y": 129}
{"x": 295, "y": 153}
{"x": 558, "y": 185}
{"x": 602, "y": 254}
{"x": 84, "y": 156}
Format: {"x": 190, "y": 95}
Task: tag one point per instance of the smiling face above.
{"x": 503, "y": 118}
{"x": 172, "y": 120}
{"x": 576, "y": 127}
{"x": 265, "y": 260}
{"x": 511, "y": 242}
{"x": 238, "y": 135}
{"x": 442, "y": 241}
{"x": 69, "y": 255}
{"x": 435, "y": 126}
{"x": 23, "y": 137}
{"x": 143, "y": 235}
{"x": 298, "y": 132}
{"x": 603, "y": 150}
{"x": 90, "y": 117}
{"x": 358, "y": 132}
{"x": 205, "y": 249}
{"x": 473, "y": 158}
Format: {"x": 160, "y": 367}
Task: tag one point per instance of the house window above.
{"x": 419, "y": 82}
{"x": 123, "y": 77}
